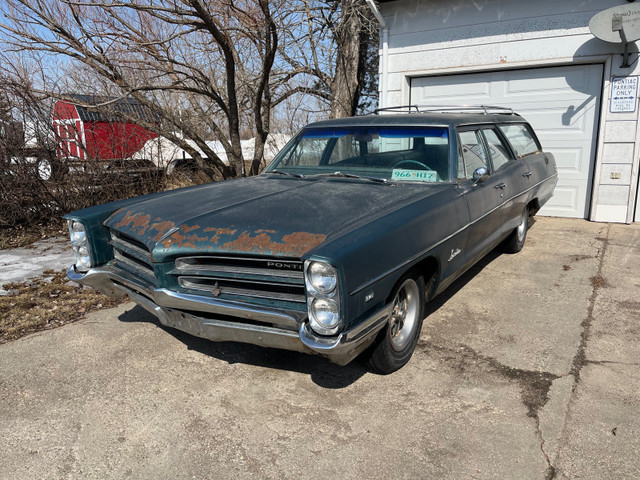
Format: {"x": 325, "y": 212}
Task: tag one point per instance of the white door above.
{"x": 561, "y": 103}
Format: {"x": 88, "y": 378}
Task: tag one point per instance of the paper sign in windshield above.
{"x": 414, "y": 175}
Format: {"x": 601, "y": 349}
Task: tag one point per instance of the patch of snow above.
{"x": 162, "y": 151}
{"x": 21, "y": 264}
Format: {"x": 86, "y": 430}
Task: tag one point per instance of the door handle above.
{"x": 501, "y": 186}
{"x": 527, "y": 174}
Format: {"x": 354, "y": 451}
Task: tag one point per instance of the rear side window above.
{"x": 520, "y": 138}
{"x": 499, "y": 152}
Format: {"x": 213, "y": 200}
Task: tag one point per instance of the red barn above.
{"x": 103, "y": 133}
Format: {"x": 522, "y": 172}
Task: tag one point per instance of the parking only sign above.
{"x": 624, "y": 91}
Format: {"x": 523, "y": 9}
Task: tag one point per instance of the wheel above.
{"x": 515, "y": 241}
{"x": 44, "y": 169}
{"x": 183, "y": 166}
{"x": 398, "y": 340}
{"x": 415, "y": 162}
{"x": 48, "y": 169}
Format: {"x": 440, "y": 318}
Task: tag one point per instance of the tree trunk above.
{"x": 351, "y": 42}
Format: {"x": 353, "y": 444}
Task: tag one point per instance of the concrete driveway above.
{"x": 527, "y": 367}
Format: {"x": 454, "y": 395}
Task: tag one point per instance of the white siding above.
{"x": 442, "y": 37}
{"x": 561, "y": 103}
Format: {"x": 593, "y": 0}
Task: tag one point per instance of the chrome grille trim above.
{"x": 120, "y": 258}
{"x": 130, "y": 256}
{"x": 242, "y": 270}
{"x": 279, "y": 279}
{"x": 196, "y": 283}
{"x": 119, "y": 242}
{"x": 225, "y": 265}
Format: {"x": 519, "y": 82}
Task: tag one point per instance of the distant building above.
{"x": 106, "y": 133}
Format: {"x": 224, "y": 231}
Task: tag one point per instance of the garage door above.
{"x": 562, "y": 104}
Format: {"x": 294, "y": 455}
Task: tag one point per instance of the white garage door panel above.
{"x": 569, "y": 161}
{"x": 560, "y": 102}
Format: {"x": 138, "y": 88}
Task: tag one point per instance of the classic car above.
{"x": 335, "y": 248}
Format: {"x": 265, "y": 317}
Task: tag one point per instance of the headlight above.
{"x": 78, "y": 233}
{"x": 322, "y": 277}
{"x": 323, "y": 297}
{"x": 80, "y": 243}
{"x": 325, "y": 316}
{"x": 83, "y": 258}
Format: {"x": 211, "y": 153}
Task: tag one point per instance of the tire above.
{"x": 396, "y": 343}
{"x": 49, "y": 169}
{"x": 515, "y": 241}
{"x": 182, "y": 167}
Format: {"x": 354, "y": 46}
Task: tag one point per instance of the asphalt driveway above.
{"x": 527, "y": 367}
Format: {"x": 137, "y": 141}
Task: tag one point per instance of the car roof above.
{"x": 420, "y": 119}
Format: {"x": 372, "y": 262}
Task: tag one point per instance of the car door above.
{"x": 527, "y": 150}
{"x": 514, "y": 173}
{"x": 485, "y": 197}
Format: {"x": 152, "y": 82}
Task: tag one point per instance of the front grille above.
{"x": 248, "y": 277}
{"x": 132, "y": 256}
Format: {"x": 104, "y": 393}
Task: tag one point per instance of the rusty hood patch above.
{"x": 258, "y": 216}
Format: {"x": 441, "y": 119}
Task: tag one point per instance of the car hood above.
{"x": 284, "y": 217}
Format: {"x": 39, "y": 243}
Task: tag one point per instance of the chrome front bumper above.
{"x": 285, "y": 329}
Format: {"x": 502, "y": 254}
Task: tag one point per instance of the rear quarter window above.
{"x": 521, "y": 139}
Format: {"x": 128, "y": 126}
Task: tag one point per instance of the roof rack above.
{"x": 485, "y": 109}
{"x": 399, "y": 108}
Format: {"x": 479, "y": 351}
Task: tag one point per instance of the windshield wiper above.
{"x": 280, "y": 172}
{"x": 351, "y": 175}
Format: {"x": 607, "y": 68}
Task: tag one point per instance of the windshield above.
{"x": 419, "y": 154}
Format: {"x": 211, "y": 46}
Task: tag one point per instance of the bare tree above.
{"x": 203, "y": 67}
{"x": 334, "y": 53}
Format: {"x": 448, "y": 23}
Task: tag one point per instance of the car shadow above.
{"x": 460, "y": 282}
{"x": 321, "y": 371}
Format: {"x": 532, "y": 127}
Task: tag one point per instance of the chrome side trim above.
{"x": 437, "y": 244}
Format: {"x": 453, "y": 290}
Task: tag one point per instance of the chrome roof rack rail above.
{"x": 485, "y": 109}
{"x": 398, "y": 109}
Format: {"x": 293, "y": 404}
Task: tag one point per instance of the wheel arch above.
{"x": 534, "y": 206}
{"x": 428, "y": 268}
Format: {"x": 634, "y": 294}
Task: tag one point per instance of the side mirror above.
{"x": 481, "y": 174}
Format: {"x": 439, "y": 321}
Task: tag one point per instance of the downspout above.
{"x": 385, "y": 52}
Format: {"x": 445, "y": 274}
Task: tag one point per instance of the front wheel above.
{"x": 398, "y": 340}
{"x": 515, "y": 241}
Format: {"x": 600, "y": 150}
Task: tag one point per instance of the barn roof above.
{"x": 127, "y": 108}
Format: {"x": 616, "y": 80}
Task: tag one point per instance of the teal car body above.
{"x": 337, "y": 245}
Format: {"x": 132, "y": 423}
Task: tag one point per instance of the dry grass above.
{"x": 48, "y": 302}
{"x": 180, "y": 180}
{"x": 24, "y": 236}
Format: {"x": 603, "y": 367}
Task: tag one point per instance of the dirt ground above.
{"x": 527, "y": 367}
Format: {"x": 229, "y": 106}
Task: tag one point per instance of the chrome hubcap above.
{"x": 522, "y": 228}
{"x": 404, "y": 314}
{"x": 44, "y": 170}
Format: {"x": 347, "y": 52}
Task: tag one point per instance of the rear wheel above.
{"x": 515, "y": 242}
{"x": 398, "y": 340}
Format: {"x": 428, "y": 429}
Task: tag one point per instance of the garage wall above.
{"x": 444, "y": 37}
{"x": 561, "y": 103}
